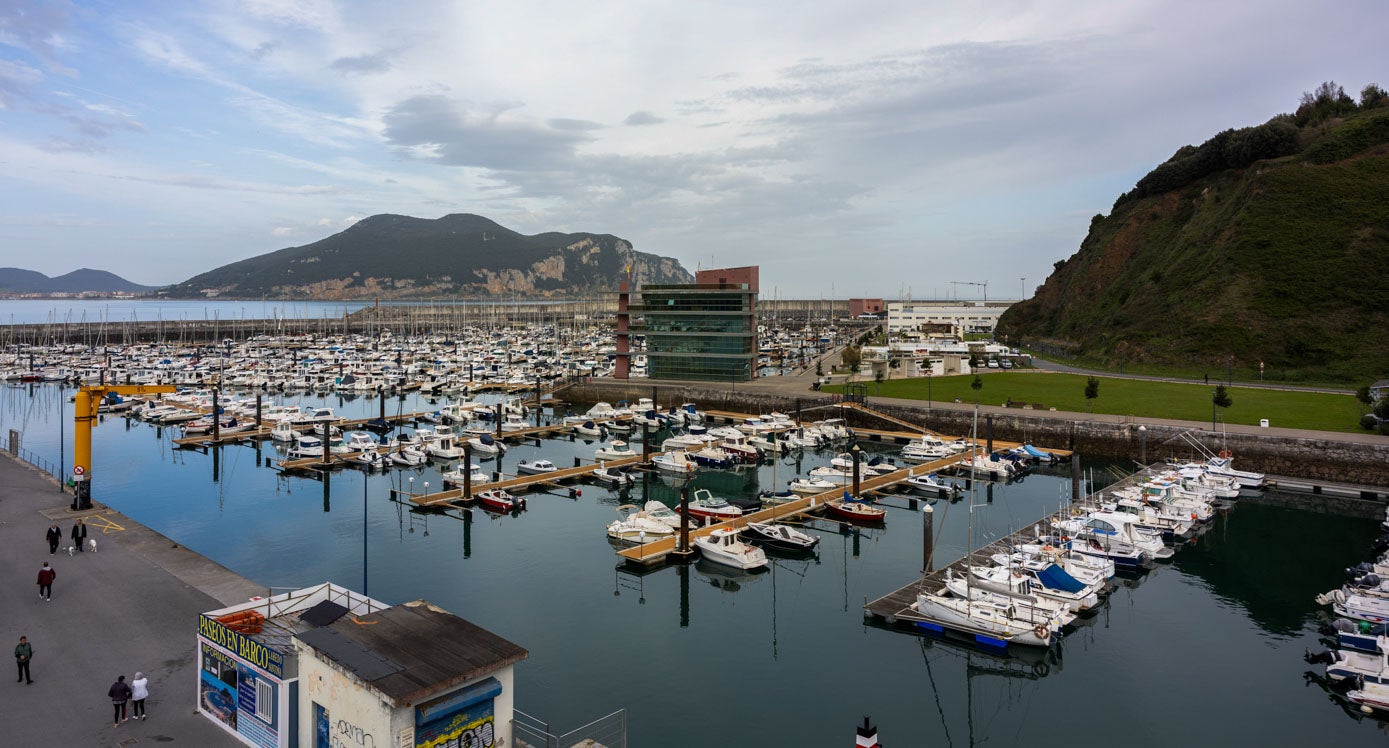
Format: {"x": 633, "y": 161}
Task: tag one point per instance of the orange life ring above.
{"x": 1040, "y": 631}
{"x": 1226, "y": 454}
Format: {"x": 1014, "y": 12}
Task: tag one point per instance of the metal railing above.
{"x": 530, "y": 732}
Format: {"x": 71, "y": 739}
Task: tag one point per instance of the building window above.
{"x": 265, "y": 701}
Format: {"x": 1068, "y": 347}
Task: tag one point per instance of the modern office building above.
{"x": 703, "y": 331}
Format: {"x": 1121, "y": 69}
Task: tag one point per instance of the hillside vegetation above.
{"x": 1265, "y": 244}
{"x": 391, "y": 256}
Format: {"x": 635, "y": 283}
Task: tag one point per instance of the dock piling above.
{"x": 928, "y": 521}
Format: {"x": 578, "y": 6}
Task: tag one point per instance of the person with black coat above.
{"x": 55, "y": 536}
{"x": 119, "y": 693}
{"x": 79, "y": 535}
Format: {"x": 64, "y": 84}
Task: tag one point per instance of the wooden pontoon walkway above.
{"x": 521, "y": 481}
{"x": 264, "y": 432}
{"x": 896, "y": 606}
{"x": 656, "y": 552}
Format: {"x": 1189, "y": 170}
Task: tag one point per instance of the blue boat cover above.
{"x": 1057, "y": 578}
{"x": 1039, "y": 454}
{"x": 485, "y": 438}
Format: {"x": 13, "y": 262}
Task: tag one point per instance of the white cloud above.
{"x": 282, "y": 231}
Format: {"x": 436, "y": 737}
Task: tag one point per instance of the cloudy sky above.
{"x": 849, "y": 148}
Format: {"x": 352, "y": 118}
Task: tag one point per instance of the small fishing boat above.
{"x": 484, "y": 444}
{"x": 781, "y": 537}
{"x": 674, "y": 462}
{"x": 930, "y": 484}
{"x": 710, "y": 508}
{"x": 855, "y": 510}
{"x": 499, "y": 500}
{"x": 722, "y": 546}
{"x": 617, "y": 450}
{"x": 636, "y": 526}
{"x": 811, "y": 485}
{"x": 613, "y": 476}
{"x": 662, "y": 513}
{"x": 535, "y": 467}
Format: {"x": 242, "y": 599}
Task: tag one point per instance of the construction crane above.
{"x": 85, "y": 405}
{"x": 954, "y": 287}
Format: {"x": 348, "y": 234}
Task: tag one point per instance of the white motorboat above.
{"x": 930, "y": 484}
{"x": 613, "y": 476}
{"x": 514, "y": 422}
{"x": 362, "y": 449}
{"x": 1223, "y": 465}
{"x": 444, "y": 445}
{"x": 722, "y": 546}
{"x": 812, "y": 485}
{"x": 474, "y": 476}
{"x": 284, "y": 431}
{"x": 636, "y": 526}
{"x": 587, "y": 428}
{"x": 662, "y": 513}
{"x": 616, "y": 450}
{"x": 1356, "y": 606}
{"x": 484, "y": 444}
{"x": 674, "y": 462}
{"x": 781, "y": 537}
{"x": 406, "y": 455}
{"x": 1041, "y": 579}
{"x": 536, "y": 467}
{"x": 306, "y": 447}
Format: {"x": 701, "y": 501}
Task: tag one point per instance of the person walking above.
{"x": 23, "y": 652}
{"x": 119, "y": 693}
{"x": 139, "y": 691}
{"x": 55, "y": 536}
{"x": 46, "y": 577}
{"x": 79, "y": 535}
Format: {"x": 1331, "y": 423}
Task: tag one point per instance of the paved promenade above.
{"x": 133, "y": 605}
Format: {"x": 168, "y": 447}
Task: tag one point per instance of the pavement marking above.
{"x": 105, "y": 525}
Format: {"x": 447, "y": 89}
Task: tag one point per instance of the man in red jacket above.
{"x": 46, "y": 577}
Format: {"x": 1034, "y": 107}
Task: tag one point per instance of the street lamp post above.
{"x": 1022, "y": 289}
{"x": 929, "y": 367}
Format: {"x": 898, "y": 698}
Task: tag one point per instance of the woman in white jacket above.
{"x": 139, "y": 691}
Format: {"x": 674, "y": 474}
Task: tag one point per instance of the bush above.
{"x": 1369, "y": 422}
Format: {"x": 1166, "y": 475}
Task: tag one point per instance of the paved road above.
{"x": 131, "y": 606}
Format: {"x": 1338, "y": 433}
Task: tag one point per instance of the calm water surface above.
{"x": 1206, "y": 650}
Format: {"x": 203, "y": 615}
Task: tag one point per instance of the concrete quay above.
{"x": 132, "y": 605}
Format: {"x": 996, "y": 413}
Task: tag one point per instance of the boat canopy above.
{"x": 1057, "y": 578}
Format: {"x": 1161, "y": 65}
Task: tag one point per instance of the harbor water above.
{"x": 1206, "y": 650}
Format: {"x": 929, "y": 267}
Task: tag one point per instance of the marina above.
{"x": 1252, "y": 601}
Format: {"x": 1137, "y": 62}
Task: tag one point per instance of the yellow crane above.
{"x": 85, "y": 405}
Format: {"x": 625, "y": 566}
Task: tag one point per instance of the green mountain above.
{"x": 460, "y": 255}
{"x": 17, "y": 280}
{"x": 1269, "y": 243}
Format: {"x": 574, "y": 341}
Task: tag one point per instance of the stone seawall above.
{"x": 1121, "y": 439}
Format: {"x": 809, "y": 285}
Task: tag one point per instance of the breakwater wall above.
{"x": 1101, "y": 436}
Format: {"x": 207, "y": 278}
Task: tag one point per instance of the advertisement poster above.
{"x": 217, "y": 685}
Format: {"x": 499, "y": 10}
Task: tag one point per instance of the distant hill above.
{"x": 1269, "y": 243}
{"x": 17, "y": 280}
{"x": 460, "y": 255}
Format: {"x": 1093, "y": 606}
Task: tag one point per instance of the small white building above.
{"x": 962, "y": 317}
{"x": 411, "y": 676}
{"x": 325, "y": 666}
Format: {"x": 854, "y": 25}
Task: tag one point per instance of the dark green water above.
{"x": 1205, "y": 651}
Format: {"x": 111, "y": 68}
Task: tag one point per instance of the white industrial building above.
{"x": 962, "y": 317}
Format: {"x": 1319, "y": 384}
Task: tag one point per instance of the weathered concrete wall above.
{"x": 1345, "y": 462}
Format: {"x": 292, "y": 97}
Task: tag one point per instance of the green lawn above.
{"x": 1136, "y": 397}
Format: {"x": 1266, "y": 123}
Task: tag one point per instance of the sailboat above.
{"x": 994, "y": 620}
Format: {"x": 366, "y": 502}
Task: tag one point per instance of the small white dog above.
{"x": 72, "y": 550}
{"x": 91, "y": 545}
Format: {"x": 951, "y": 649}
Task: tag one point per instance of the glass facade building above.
{"x": 701, "y": 331}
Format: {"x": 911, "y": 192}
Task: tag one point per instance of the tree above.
{"x": 1382, "y": 408}
{"x": 819, "y": 368}
{"x": 1372, "y": 96}
{"x": 1092, "y": 391}
{"x": 1364, "y": 396}
{"x": 1220, "y": 399}
{"x": 852, "y": 357}
{"x": 976, "y": 385}
{"x": 878, "y": 376}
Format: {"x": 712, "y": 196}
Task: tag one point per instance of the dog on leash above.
{"x": 91, "y": 545}
{"x": 72, "y": 550}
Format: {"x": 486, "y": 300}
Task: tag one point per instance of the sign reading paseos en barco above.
{"x": 244, "y": 647}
